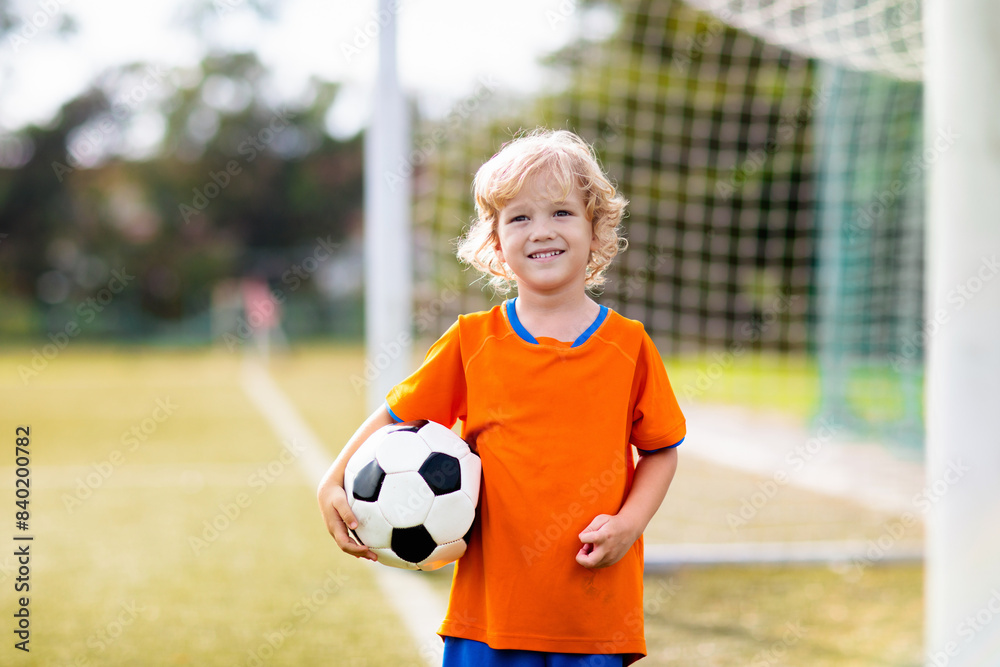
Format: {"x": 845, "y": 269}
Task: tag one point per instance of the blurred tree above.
{"x": 180, "y": 178}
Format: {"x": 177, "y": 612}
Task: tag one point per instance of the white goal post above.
{"x": 387, "y": 262}
{"x": 962, "y": 77}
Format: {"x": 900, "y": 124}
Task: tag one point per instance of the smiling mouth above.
{"x": 543, "y": 255}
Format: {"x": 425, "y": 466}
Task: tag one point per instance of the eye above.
{"x": 518, "y": 218}
{"x": 563, "y": 212}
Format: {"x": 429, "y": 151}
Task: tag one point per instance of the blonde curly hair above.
{"x": 573, "y": 163}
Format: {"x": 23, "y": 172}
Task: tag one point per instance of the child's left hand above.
{"x": 605, "y": 541}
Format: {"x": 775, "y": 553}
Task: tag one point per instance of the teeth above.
{"x": 543, "y": 255}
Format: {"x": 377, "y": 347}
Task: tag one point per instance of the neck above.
{"x": 554, "y": 304}
{"x": 563, "y": 317}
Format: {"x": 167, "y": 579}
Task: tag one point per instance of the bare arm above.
{"x": 607, "y": 538}
{"x": 331, "y": 495}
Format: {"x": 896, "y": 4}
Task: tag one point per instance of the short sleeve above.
{"x": 435, "y": 391}
{"x": 657, "y": 420}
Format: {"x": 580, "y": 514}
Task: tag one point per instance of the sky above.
{"x": 446, "y": 48}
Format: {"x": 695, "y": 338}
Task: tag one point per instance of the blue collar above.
{"x": 519, "y": 329}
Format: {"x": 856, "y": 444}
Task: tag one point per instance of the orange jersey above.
{"x": 554, "y": 424}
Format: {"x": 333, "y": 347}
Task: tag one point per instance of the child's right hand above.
{"x": 332, "y": 497}
{"x": 338, "y": 516}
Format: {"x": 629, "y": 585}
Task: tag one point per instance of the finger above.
{"x": 597, "y": 534}
{"x": 361, "y": 551}
{"x": 592, "y": 562}
{"x": 337, "y": 511}
{"x": 588, "y": 557}
{"x": 343, "y": 508}
{"x": 338, "y": 516}
{"x": 349, "y": 545}
{"x": 335, "y": 524}
{"x": 595, "y": 525}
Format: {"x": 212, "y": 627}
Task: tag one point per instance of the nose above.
{"x": 541, "y": 229}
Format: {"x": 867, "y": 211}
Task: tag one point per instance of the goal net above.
{"x": 772, "y": 154}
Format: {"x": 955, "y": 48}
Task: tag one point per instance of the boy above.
{"x": 553, "y": 390}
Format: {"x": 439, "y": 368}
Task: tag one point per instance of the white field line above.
{"x": 660, "y": 557}
{"x": 191, "y": 476}
{"x": 414, "y": 600}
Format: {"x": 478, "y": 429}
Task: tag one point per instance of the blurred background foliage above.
{"x": 190, "y": 178}
{"x": 180, "y": 177}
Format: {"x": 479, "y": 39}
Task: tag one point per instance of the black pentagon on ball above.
{"x": 368, "y": 481}
{"x": 412, "y": 544}
{"x": 442, "y": 473}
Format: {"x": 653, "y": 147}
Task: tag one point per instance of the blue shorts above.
{"x": 460, "y": 652}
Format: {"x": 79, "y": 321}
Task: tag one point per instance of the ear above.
{"x": 499, "y": 253}
{"x": 497, "y": 250}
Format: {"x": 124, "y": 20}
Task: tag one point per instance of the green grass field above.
{"x": 171, "y": 529}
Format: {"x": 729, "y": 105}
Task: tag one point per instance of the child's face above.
{"x": 544, "y": 238}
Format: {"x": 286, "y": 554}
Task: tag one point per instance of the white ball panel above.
{"x": 349, "y": 484}
{"x": 401, "y": 451}
{"x": 386, "y": 557}
{"x": 405, "y": 499}
{"x": 442, "y": 439}
{"x": 450, "y": 517}
{"x": 472, "y": 472}
{"x": 364, "y": 453}
{"x": 444, "y": 554}
{"x": 373, "y": 529}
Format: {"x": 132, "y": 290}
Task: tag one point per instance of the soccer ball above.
{"x": 414, "y": 487}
